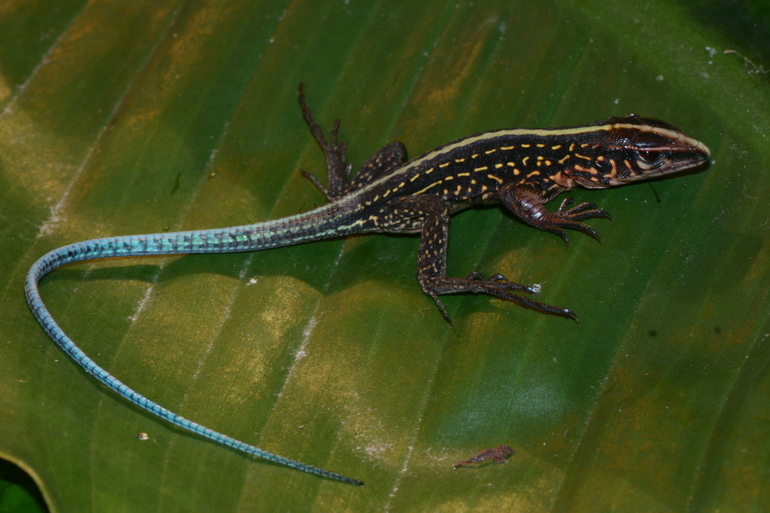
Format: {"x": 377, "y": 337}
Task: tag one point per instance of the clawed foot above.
{"x": 496, "y": 286}
{"x": 528, "y": 204}
{"x": 556, "y": 222}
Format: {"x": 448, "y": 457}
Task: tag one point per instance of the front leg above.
{"x": 433, "y": 213}
{"x": 528, "y": 205}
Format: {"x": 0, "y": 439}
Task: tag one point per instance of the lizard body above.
{"x": 522, "y": 169}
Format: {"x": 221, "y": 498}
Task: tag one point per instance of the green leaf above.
{"x": 136, "y": 117}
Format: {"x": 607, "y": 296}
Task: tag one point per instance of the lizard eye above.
{"x": 648, "y": 159}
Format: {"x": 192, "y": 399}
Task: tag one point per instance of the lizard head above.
{"x": 634, "y": 148}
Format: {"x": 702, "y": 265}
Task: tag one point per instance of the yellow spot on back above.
{"x": 482, "y": 168}
{"x": 445, "y": 164}
{"x": 556, "y": 147}
{"x": 525, "y": 160}
{"x": 463, "y": 174}
{"x": 506, "y": 148}
{"x": 415, "y": 177}
{"x": 490, "y": 152}
{"x": 590, "y": 170}
{"x": 498, "y": 166}
{"x": 540, "y": 145}
{"x": 526, "y": 145}
{"x": 459, "y": 161}
{"x": 495, "y": 178}
{"x": 565, "y": 159}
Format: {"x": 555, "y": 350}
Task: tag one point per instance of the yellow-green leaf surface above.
{"x": 134, "y": 117}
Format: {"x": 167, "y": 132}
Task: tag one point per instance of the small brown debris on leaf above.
{"x": 497, "y": 454}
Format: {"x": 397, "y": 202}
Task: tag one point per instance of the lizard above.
{"x": 522, "y": 169}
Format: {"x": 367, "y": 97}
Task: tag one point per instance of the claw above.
{"x": 563, "y": 235}
{"x": 587, "y": 230}
{"x": 441, "y": 308}
{"x": 564, "y": 203}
